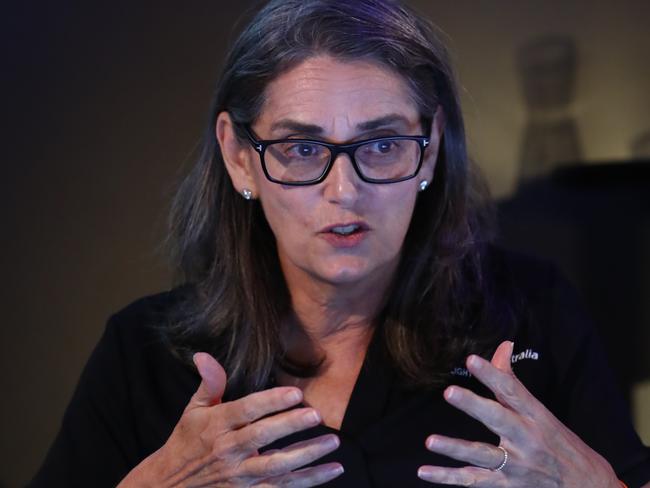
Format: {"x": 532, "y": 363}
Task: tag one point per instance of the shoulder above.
{"x": 144, "y": 322}
{"x": 135, "y": 354}
{"x": 532, "y": 276}
{"x": 130, "y": 394}
{"x": 555, "y": 341}
{"x": 137, "y": 334}
{"x": 553, "y": 326}
{"x": 150, "y": 310}
{"x": 544, "y": 300}
{"x": 136, "y": 364}
{"x": 530, "y": 292}
{"x": 546, "y": 296}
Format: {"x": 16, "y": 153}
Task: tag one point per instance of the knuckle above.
{"x": 509, "y": 387}
{"x": 227, "y": 447}
{"x": 499, "y": 418}
{"x": 539, "y": 453}
{"x": 274, "y": 466}
{"x": 476, "y": 445}
{"x": 468, "y": 481}
{"x": 469, "y": 478}
{"x": 259, "y": 436}
{"x": 206, "y": 438}
{"x": 248, "y": 411}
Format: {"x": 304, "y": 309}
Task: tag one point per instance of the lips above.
{"x": 346, "y": 228}
{"x": 345, "y": 234}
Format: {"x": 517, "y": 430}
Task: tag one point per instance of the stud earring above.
{"x": 247, "y": 194}
{"x": 423, "y": 185}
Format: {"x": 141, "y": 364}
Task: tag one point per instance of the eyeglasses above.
{"x": 307, "y": 162}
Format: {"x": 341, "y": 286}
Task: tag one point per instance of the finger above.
{"x": 213, "y": 381}
{"x": 505, "y": 385}
{"x": 502, "y": 358}
{"x": 467, "y": 476}
{"x": 250, "y": 408}
{"x": 476, "y": 453}
{"x": 255, "y": 436}
{"x": 306, "y": 477}
{"x": 497, "y": 418}
{"x": 290, "y": 458}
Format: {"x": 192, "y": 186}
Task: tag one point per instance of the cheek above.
{"x": 401, "y": 211}
{"x": 400, "y": 230}
{"x": 288, "y": 215}
{"x": 394, "y": 221}
{"x": 278, "y": 215}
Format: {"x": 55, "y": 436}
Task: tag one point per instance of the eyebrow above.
{"x": 380, "y": 122}
{"x": 295, "y": 126}
{"x": 316, "y": 130}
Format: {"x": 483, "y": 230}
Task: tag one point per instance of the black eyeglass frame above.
{"x": 260, "y": 145}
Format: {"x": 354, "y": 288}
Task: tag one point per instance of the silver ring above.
{"x": 504, "y": 462}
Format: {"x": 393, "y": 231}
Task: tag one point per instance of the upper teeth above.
{"x": 345, "y": 229}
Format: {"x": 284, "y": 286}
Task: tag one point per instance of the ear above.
{"x": 435, "y": 138}
{"x": 237, "y": 157}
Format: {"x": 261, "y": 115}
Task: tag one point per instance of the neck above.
{"x": 331, "y": 322}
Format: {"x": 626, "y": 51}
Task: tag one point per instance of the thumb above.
{"x": 213, "y": 381}
{"x": 502, "y": 356}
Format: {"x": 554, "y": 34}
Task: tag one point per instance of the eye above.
{"x": 385, "y": 146}
{"x": 381, "y": 147}
{"x": 303, "y": 150}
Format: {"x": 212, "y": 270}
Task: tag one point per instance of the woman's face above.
{"x": 336, "y": 100}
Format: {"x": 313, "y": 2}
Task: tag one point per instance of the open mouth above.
{"x": 345, "y": 230}
{"x": 345, "y": 234}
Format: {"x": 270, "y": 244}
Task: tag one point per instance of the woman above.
{"x": 341, "y": 295}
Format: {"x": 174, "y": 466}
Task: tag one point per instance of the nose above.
{"x": 342, "y": 183}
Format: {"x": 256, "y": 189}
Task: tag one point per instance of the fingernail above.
{"x": 431, "y": 441}
{"x": 338, "y": 470}
{"x": 424, "y": 473}
{"x": 332, "y": 441}
{"x": 475, "y": 362}
{"x": 450, "y": 393}
{"x": 294, "y": 396}
{"x": 312, "y": 417}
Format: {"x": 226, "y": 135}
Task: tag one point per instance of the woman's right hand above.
{"x": 216, "y": 444}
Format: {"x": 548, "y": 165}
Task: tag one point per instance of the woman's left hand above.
{"x": 541, "y": 451}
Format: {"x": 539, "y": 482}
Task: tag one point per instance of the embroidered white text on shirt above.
{"x": 527, "y": 354}
{"x": 461, "y": 372}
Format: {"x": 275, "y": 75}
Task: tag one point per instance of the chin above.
{"x": 345, "y": 273}
{"x": 343, "y": 278}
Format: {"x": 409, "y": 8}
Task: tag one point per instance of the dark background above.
{"x": 103, "y": 104}
{"x": 106, "y": 101}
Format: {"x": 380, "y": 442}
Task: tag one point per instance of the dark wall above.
{"x": 106, "y": 101}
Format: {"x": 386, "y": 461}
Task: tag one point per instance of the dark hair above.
{"x": 225, "y": 249}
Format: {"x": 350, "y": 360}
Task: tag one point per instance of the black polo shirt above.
{"x": 133, "y": 391}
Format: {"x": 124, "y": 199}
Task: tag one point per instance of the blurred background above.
{"x": 104, "y": 103}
